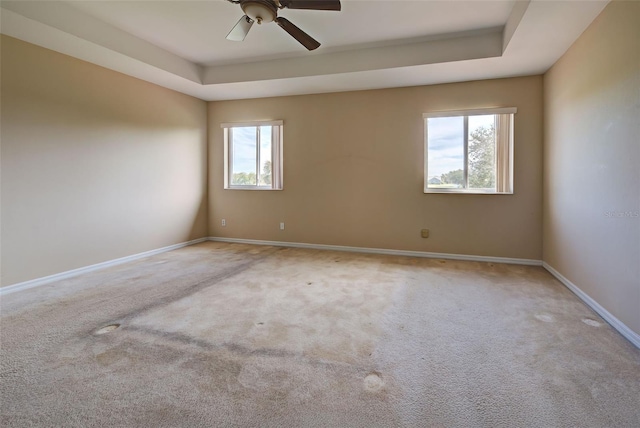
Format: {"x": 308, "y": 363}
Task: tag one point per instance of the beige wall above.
{"x": 592, "y": 162}
{"x": 353, "y": 173}
{"x": 96, "y": 165}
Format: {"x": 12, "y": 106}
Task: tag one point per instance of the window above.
{"x": 469, "y": 151}
{"x": 253, "y": 155}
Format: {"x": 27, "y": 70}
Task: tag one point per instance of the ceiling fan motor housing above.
{"x": 260, "y": 10}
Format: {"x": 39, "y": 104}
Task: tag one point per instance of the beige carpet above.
{"x": 236, "y": 335}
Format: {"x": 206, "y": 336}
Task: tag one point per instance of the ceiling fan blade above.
{"x": 306, "y": 40}
{"x": 241, "y": 29}
{"x": 312, "y": 4}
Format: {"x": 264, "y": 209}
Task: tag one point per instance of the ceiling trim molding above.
{"x": 487, "y": 44}
{"x": 515, "y": 17}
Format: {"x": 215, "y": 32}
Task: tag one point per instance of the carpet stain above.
{"x": 107, "y": 329}
{"x": 591, "y": 322}
{"x": 373, "y": 382}
{"x": 110, "y": 357}
{"x": 198, "y": 286}
{"x": 544, "y": 317}
{"x": 213, "y": 373}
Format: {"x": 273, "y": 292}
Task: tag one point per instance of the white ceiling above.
{"x": 196, "y": 30}
{"x": 369, "y": 44}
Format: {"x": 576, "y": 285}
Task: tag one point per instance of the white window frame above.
{"x": 504, "y": 167}
{"x": 276, "y": 154}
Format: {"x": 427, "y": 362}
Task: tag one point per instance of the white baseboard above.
{"x": 70, "y": 273}
{"x": 632, "y": 336}
{"x": 384, "y": 251}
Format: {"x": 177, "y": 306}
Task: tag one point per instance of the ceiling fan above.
{"x": 265, "y": 11}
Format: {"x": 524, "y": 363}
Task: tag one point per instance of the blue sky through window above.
{"x": 446, "y": 142}
{"x": 446, "y": 145}
{"x": 244, "y": 148}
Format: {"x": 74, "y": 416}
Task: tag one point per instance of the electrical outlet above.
{"x": 282, "y": 225}
{"x": 424, "y": 233}
{"x": 224, "y": 222}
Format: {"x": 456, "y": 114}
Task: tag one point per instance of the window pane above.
{"x": 243, "y": 169}
{"x": 445, "y": 154}
{"x": 482, "y": 152}
{"x": 265, "y": 156}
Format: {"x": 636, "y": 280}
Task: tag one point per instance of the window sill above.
{"x": 465, "y": 192}
{"x": 251, "y": 188}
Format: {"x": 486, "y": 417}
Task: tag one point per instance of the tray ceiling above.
{"x": 369, "y": 44}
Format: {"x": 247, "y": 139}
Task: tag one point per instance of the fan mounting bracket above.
{"x": 261, "y": 11}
